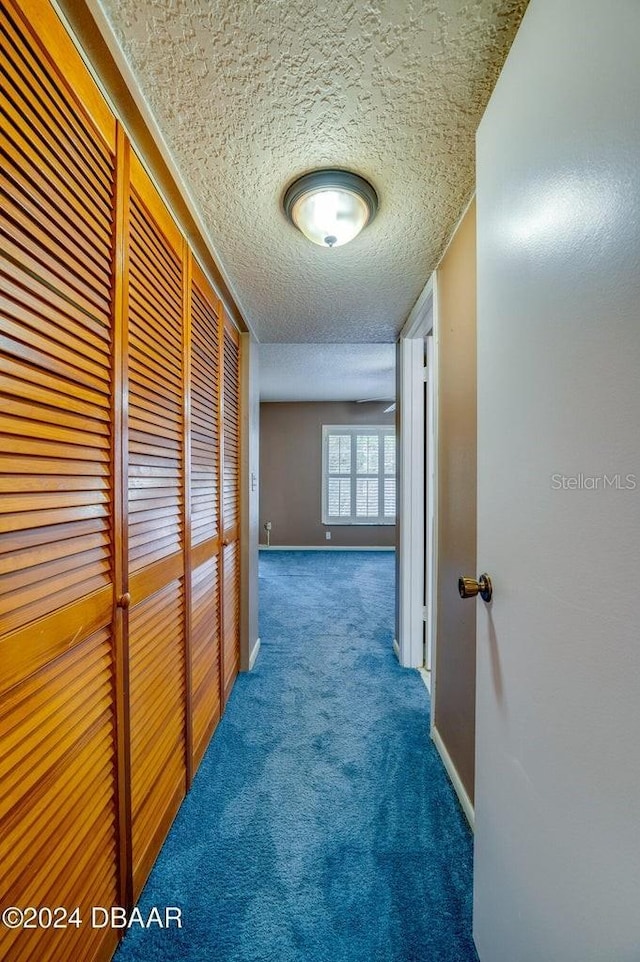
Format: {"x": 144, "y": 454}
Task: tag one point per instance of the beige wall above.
{"x": 291, "y": 473}
{"x": 455, "y": 667}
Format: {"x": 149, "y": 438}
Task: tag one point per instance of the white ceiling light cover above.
{"x": 330, "y": 217}
{"x": 330, "y": 207}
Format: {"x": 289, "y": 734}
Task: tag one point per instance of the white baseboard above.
{"x": 396, "y": 649}
{"x": 452, "y": 772}
{"x": 426, "y": 677}
{"x": 321, "y": 547}
{"x": 254, "y": 654}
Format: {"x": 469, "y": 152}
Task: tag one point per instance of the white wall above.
{"x": 558, "y": 709}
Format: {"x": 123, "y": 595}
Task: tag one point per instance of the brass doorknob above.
{"x": 469, "y": 587}
{"x": 225, "y": 542}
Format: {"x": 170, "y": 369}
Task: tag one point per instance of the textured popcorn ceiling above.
{"x": 327, "y": 372}
{"x": 249, "y": 94}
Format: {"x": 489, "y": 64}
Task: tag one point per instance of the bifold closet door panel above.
{"x": 58, "y": 143}
{"x": 57, "y": 805}
{"x": 57, "y": 185}
{"x": 205, "y": 657}
{"x": 231, "y": 508}
{"x": 58, "y": 791}
{"x": 156, "y": 523}
{"x": 205, "y": 511}
{"x": 231, "y": 614}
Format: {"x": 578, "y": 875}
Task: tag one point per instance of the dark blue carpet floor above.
{"x": 321, "y": 826}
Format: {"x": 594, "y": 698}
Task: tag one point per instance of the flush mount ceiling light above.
{"x": 330, "y": 207}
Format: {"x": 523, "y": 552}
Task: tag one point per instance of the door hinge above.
{"x": 425, "y": 613}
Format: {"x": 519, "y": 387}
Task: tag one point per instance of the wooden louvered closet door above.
{"x": 58, "y": 718}
{"x": 205, "y": 511}
{"x": 119, "y": 500}
{"x": 230, "y": 508}
{"x": 155, "y": 521}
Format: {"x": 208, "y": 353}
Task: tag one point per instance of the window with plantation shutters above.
{"x": 358, "y": 474}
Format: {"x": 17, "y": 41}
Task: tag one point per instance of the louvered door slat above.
{"x": 45, "y": 91}
{"x": 37, "y": 247}
{"x": 149, "y": 264}
{"x": 231, "y": 509}
{"x": 32, "y": 142}
{"x": 151, "y": 319}
{"x": 231, "y": 493}
{"x": 58, "y": 750}
{"x": 205, "y": 493}
{"x": 204, "y": 422}
{"x": 21, "y": 560}
{"x": 14, "y": 184}
{"x": 49, "y": 423}
{"x": 150, "y": 370}
{"x": 155, "y": 427}
{"x": 144, "y": 276}
{"x": 231, "y": 608}
{"x": 27, "y": 582}
{"x": 45, "y": 96}
{"x": 34, "y": 386}
{"x": 157, "y": 710}
{"x": 158, "y": 683}
{"x": 49, "y": 92}
{"x": 58, "y": 838}
{"x": 154, "y": 250}
{"x": 205, "y": 654}
{"x": 44, "y": 185}
{"x": 58, "y": 177}
{"x": 42, "y": 331}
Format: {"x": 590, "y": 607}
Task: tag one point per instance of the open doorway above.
{"x": 417, "y": 540}
{"x": 438, "y": 500}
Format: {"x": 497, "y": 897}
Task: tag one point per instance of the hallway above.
{"x": 321, "y": 825}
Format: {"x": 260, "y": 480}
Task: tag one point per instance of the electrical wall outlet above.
{"x": 327, "y": 535}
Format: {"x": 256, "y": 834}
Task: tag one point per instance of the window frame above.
{"x": 374, "y": 430}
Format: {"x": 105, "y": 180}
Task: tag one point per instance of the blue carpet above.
{"x": 321, "y": 826}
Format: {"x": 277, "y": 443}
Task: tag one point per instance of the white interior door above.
{"x": 557, "y": 872}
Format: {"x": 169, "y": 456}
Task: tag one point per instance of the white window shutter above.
{"x": 358, "y": 474}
